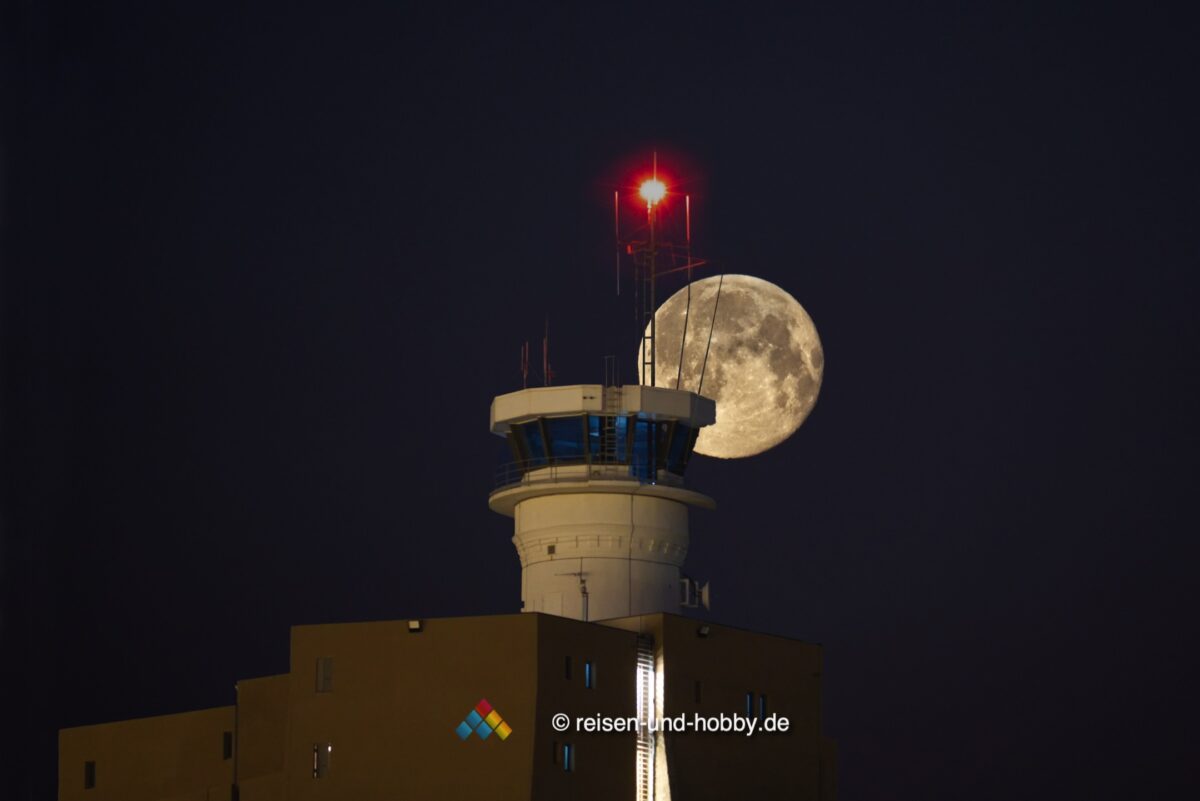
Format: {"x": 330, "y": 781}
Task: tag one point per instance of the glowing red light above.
{"x": 653, "y": 191}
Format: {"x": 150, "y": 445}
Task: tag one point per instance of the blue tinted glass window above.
{"x": 594, "y": 431}
{"x": 677, "y": 455}
{"x": 566, "y": 437}
{"x": 533, "y": 439}
{"x": 621, "y": 430}
{"x": 642, "y": 457}
{"x": 661, "y": 440}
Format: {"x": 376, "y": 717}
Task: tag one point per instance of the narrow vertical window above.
{"x": 568, "y": 761}
{"x": 321, "y": 755}
{"x": 762, "y": 706}
{"x": 567, "y": 667}
{"x": 89, "y": 775}
{"x": 325, "y": 674}
{"x": 749, "y": 705}
{"x": 588, "y": 675}
{"x": 697, "y": 691}
{"x": 227, "y": 745}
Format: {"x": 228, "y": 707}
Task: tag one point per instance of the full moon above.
{"x": 764, "y": 366}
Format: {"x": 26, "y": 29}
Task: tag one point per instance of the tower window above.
{"x": 550, "y": 550}
{"x": 325, "y": 674}
{"x": 588, "y": 675}
{"x": 762, "y": 706}
{"x": 568, "y": 757}
{"x": 749, "y": 704}
{"x": 89, "y": 775}
{"x": 535, "y": 443}
{"x": 321, "y": 755}
{"x": 566, "y": 438}
{"x": 227, "y": 745}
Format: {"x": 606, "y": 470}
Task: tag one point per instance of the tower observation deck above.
{"x": 597, "y": 495}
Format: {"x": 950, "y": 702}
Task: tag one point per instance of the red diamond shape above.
{"x": 483, "y": 707}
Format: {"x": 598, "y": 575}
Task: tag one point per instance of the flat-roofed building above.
{"x": 380, "y": 710}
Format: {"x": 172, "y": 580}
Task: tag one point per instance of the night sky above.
{"x": 264, "y": 270}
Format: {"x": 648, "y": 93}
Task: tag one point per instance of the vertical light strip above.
{"x": 646, "y": 710}
{"x": 662, "y": 777}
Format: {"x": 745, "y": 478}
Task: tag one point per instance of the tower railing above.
{"x": 576, "y": 468}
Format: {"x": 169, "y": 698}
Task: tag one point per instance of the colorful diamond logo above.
{"x": 483, "y": 720}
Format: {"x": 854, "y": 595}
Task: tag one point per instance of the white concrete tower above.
{"x": 597, "y": 496}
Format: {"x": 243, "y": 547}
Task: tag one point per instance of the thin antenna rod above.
{"x": 687, "y": 205}
{"x": 711, "y": 326}
{"x": 525, "y": 365}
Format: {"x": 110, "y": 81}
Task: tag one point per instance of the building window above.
{"x": 568, "y": 758}
{"x": 535, "y": 443}
{"x": 227, "y": 745}
{"x": 681, "y": 436}
{"x": 762, "y": 707}
{"x": 550, "y": 549}
{"x": 697, "y": 691}
{"x": 89, "y": 775}
{"x": 589, "y": 675}
{"x": 321, "y": 754}
{"x": 749, "y": 705}
{"x": 566, "y": 435}
{"x": 567, "y": 668}
{"x": 325, "y": 674}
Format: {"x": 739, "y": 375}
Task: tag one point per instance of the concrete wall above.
{"x": 628, "y": 546}
{"x": 262, "y": 716}
{"x": 149, "y": 759}
{"x": 396, "y": 697}
{"x": 603, "y": 762}
{"x": 395, "y": 702}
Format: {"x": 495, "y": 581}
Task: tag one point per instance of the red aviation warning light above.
{"x": 652, "y": 191}
{"x": 653, "y": 258}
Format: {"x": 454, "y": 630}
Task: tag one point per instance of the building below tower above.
{"x": 464, "y": 708}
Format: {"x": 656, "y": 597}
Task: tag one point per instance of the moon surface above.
{"x": 764, "y": 366}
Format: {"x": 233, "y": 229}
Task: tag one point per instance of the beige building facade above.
{"x": 376, "y": 710}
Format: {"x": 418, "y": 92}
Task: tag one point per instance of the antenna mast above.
{"x": 645, "y": 253}
{"x": 652, "y": 191}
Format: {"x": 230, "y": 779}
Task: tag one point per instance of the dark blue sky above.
{"x": 265, "y": 269}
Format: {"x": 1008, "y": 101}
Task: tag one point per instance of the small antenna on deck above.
{"x": 525, "y": 365}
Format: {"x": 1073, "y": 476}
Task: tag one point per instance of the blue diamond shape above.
{"x": 463, "y": 731}
{"x": 483, "y": 731}
{"x": 474, "y": 719}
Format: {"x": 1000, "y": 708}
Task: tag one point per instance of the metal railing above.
{"x": 576, "y": 468}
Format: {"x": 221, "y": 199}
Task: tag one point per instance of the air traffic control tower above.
{"x": 597, "y": 497}
{"x": 600, "y": 514}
